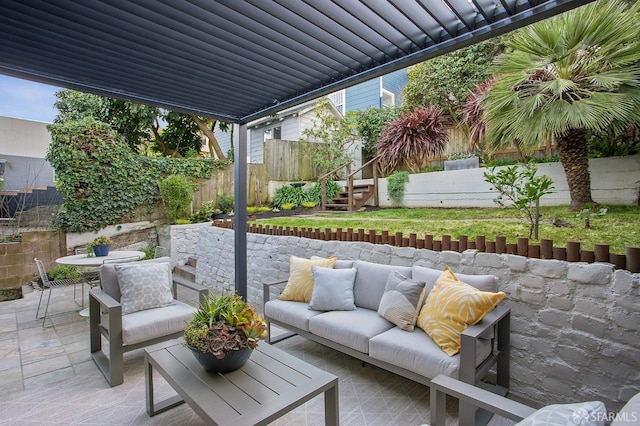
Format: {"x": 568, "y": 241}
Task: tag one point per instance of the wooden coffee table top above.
{"x": 269, "y": 385}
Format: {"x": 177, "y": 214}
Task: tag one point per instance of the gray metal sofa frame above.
{"x": 104, "y": 307}
{"x": 496, "y": 325}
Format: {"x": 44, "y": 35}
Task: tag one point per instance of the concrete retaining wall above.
{"x": 575, "y": 327}
{"x": 614, "y": 180}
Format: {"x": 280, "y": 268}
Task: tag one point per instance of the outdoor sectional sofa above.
{"x": 363, "y": 334}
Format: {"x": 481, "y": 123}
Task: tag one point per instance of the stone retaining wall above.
{"x": 575, "y": 327}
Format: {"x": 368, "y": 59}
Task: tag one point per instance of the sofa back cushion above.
{"x": 430, "y": 276}
{"x": 371, "y": 280}
{"x": 109, "y": 279}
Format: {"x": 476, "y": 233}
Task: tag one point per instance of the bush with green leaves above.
{"x": 64, "y": 272}
{"x": 315, "y": 192}
{"x": 177, "y": 193}
{"x": 396, "y": 185}
{"x": 288, "y": 194}
{"x": 288, "y": 206}
{"x": 225, "y": 203}
{"x": 205, "y": 212}
{"x": 520, "y": 186}
{"x": 102, "y": 180}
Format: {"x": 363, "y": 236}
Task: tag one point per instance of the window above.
{"x": 388, "y": 98}
{"x": 273, "y": 133}
{"x": 337, "y": 99}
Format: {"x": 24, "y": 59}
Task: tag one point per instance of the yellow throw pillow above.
{"x": 451, "y": 307}
{"x": 299, "y": 288}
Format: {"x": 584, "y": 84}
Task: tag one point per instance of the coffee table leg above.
{"x": 152, "y": 407}
{"x": 331, "y": 404}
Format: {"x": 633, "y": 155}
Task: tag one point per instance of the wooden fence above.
{"x": 545, "y": 250}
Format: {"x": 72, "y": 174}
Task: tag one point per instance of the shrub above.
{"x": 288, "y": 206}
{"x": 309, "y": 204}
{"x": 264, "y": 209}
{"x": 183, "y": 221}
{"x": 395, "y": 186}
{"x": 176, "y": 192}
{"x": 315, "y": 192}
{"x": 64, "y": 272}
{"x": 205, "y": 212}
{"x": 289, "y": 195}
{"x": 251, "y": 209}
{"x": 225, "y": 203}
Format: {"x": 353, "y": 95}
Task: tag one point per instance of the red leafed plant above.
{"x": 472, "y": 115}
{"x": 406, "y": 142}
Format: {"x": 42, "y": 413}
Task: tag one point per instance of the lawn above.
{"x": 619, "y": 227}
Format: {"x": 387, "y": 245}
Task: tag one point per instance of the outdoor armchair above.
{"x": 592, "y": 413}
{"x": 132, "y": 309}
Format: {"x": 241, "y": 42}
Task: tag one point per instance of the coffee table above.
{"x": 268, "y": 386}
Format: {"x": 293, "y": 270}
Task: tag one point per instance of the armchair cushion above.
{"x": 153, "y": 323}
{"x": 144, "y": 286}
{"x": 451, "y": 307}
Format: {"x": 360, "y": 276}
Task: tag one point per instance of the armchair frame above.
{"x": 101, "y": 305}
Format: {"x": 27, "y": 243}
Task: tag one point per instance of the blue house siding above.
{"x": 394, "y": 83}
{"x": 364, "y": 95}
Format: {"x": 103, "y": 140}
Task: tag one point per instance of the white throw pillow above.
{"x": 144, "y": 286}
{"x": 332, "y": 289}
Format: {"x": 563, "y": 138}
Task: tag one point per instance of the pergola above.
{"x": 240, "y": 60}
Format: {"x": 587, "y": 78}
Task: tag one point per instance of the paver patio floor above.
{"x": 47, "y": 377}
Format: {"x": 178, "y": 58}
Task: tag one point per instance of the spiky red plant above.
{"x": 472, "y": 115}
{"x": 406, "y": 142}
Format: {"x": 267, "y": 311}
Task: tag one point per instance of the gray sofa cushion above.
{"x": 296, "y": 314}
{"x": 629, "y": 413}
{"x": 371, "y": 280}
{"x": 349, "y": 328}
{"x": 430, "y": 276}
{"x": 415, "y": 351}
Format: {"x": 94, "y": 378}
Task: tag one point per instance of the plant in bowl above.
{"x": 100, "y": 245}
{"x": 223, "y": 332}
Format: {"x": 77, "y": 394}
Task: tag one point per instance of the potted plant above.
{"x": 223, "y": 332}
{"x": 100, "y": 245}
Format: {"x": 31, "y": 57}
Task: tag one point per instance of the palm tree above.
{"x": 564, "y": 76}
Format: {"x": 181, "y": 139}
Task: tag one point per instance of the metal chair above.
{"x": 48, "y": 284}
{"x": 91, "y": 276}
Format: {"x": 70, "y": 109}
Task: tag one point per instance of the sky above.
{"x": 27, "y": 100}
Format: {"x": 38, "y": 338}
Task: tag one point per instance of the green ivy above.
{"x": 102, "y": 180}
{"x": 395, "y": 186}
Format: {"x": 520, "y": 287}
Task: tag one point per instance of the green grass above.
{"x": 619, "y": 228}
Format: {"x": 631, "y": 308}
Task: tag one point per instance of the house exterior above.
{"x": 291, "y": 123}
{"x": 24, "y": 144}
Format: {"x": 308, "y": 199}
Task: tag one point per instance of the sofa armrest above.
{"x": 266, "y": 289}
{"x": 203, "y": 291}
{"x": 103, "y": 298}
{"x": 477, "y": 397}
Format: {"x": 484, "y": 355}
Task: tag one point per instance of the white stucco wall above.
{"x": 614, "y": 180}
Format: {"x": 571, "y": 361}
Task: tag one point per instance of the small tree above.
{"x": 523, "y": 188}
{"x": 408, "y": 141}
{"x": 177, "y": 193}
{"x": 336, "y": 135}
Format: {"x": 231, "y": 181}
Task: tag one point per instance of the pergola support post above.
{"x": 240, "y": 211}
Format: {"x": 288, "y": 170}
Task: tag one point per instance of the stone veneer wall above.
{"x": 575, "y": 327}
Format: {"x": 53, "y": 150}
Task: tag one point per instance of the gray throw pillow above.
{"x": 401, "y": 300}
{"x": 592, "y": 413}
{"x": 144, "y": 286}
{"x": 332, "y": 289}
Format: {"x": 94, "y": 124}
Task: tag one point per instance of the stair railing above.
{"x": 373, "y": 161}
{"x": 323, "y": 181}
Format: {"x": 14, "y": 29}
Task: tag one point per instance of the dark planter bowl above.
{"x": 101, "y": 250}
{"x": 231, "y": 362}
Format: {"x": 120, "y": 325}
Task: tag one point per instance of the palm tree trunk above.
{"x": 572, "y": 150}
